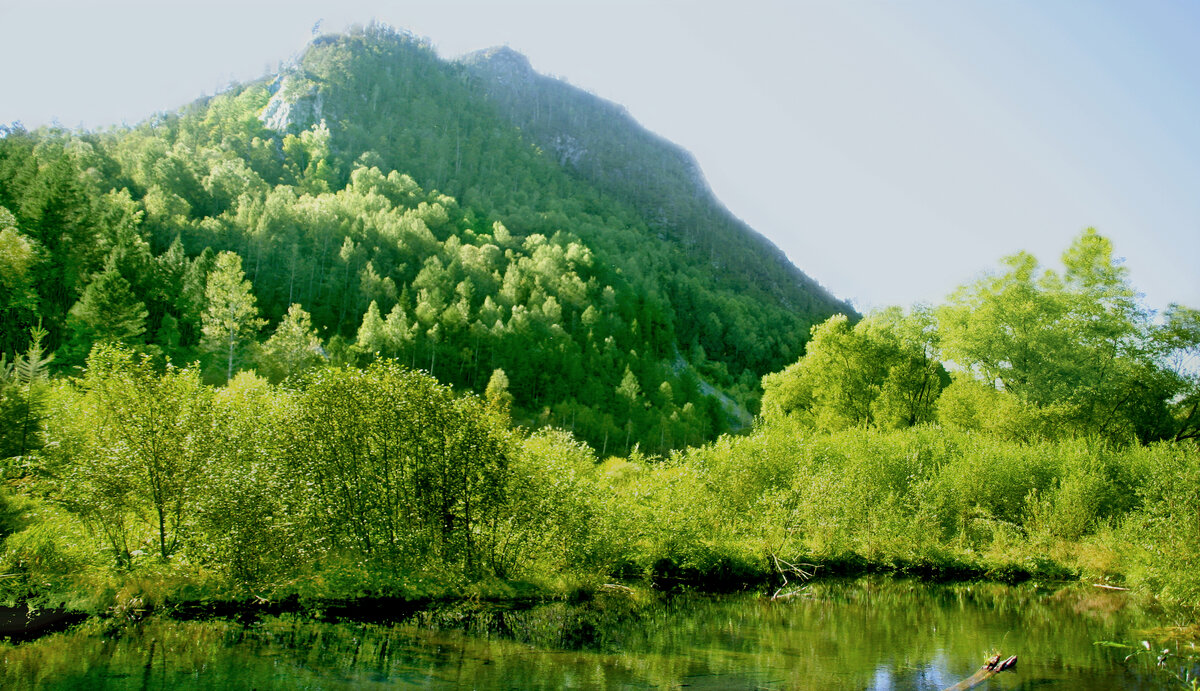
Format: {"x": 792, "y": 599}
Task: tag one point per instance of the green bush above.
{"x": 1163, "y": 535}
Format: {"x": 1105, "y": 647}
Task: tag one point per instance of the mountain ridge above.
{"x": 410, "y": 207}
{"x": 512, "y": 82}
{"x": 508, "y": 78}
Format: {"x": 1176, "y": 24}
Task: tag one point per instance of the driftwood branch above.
{"x": 991, "y": 668}
{"x": 617, "y": 587}
{"x": 796, "y": 570}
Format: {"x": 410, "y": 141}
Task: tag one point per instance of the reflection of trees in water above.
{"x": 872, "y": 633}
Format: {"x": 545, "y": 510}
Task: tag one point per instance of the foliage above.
{"x": 108, "y": 311}
{"x": 363, "y": 459}
{"x": 548, "y": 518}
{"x": 22, "y": 389}
{"x": 400, "y": 470}
{"x": 246, "y": 523}
{"x": 880, "y": 371}
{"x": 343, "y": 481}
{"x": 232, "y": 316}
{"x": 294, "y": 347}
{"x": 1180, "y": 341}
{"x": 440, "y": 235}
{"x": 143, "y": 453}
{"x": 1075, "y": 350}
{"x": 18, "y": 255}
{"x": 1166, "y": 528}
{"x": 1034, "y": 355}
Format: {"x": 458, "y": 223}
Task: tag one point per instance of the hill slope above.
{"x": 599, "y": 142}
{"x": 463, "y": 217}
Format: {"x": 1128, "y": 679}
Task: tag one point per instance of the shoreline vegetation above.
{"x": 153, "y": 490}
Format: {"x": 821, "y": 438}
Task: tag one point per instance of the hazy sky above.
{"x": 894, "y": 150}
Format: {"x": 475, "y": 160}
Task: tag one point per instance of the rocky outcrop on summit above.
{"x": 503, "y": 65}
{"x": 294, "y": 103}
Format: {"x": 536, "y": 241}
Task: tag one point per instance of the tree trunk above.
{"x": 162, "y": 534}
{"x": 229, "y": 369}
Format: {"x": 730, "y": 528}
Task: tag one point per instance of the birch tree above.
{"x": 231, "y": 316}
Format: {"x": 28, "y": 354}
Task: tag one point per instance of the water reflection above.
{"x": 867, "y": 634}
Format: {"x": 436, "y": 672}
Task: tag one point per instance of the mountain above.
{"x": 600, "y": 143}
{"x": 501, "y": 229}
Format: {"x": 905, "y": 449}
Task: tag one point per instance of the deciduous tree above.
{"x": 231, "y": 316}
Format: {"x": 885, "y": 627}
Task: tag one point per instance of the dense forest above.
{"x": 361, "y": 330}
{"x": 598, "y": 315}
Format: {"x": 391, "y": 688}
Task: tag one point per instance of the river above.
{"x": 874, "y": 633}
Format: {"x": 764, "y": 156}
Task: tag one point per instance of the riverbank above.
{"x": 189, "y": 597}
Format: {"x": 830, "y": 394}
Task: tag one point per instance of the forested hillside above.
{"x": 599, "y": 142}
{"x": 373, "y": 201}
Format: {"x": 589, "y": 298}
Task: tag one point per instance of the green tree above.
{"x": 372, "y": 334}
{"x": 293, "y": 348}
{"x": 153, "y": 436}
{"x": 880, "y": 371}
{"x": 58, "y": 212}
{"x": 629, "y": 390}
{"x": 497, "y": 394}
{"x": 18, "y": 257}
{"x": 1076, "y": 349}
{"x": 247, "y": 516}
{"x": 22, "y": 388}
{"x": 231, "y": 316}
{"x": 1179, "y": 341}
{"x": 915, "y": 378}
{"x": 548, "y": 522}
{"x": 107, "y": 311}
{"x": 402, "y": 471}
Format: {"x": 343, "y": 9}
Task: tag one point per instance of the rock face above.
{"x": 295, "y": 104}
{"x": 569, "y": 149}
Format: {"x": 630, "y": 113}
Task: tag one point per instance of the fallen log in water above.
{"x": 991, "y": 668}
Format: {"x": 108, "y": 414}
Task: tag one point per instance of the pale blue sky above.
{"x": 894, "y": 150}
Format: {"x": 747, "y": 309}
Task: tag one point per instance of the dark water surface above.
{"x": 865, "y": 634}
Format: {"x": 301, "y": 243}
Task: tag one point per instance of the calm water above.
{"x": 865, "y": 634}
